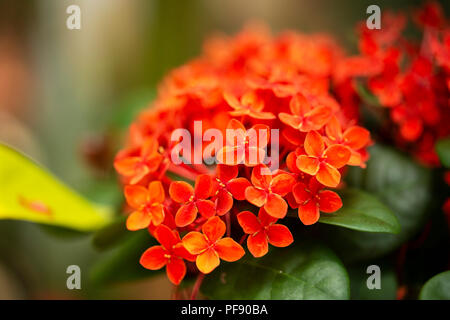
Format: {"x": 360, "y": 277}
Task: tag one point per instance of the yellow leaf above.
{"x": 29, "y": 192}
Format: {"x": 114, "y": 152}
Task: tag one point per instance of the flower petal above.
{"x": 235, "y": 133}
{"x": 299, "y": 105}
{"x": 248, "y": 222}
{"x": 136, "y": 196}
{"x": 229, "y": 250}
{"x": 230, "y": 155}
{"x": 166, "y": 237}
{"x": 176, "y": 270}
{"x": 195, "y": 242}
{"x": 255, "y": 196}
{"x": 276, "y": 206}
{"x": 157, "y": 213}
{"x": 154, "y": 258}
{"x": 156, "y": 192}
{"x": 301, "y": 193}
{"x": 224, "y": 202}
{"x": 180, "y": 251}
{"x": 265, "y": 218}
{"x": 261, "y": 177}
{"x": 257, "y": 244}
{"x": 237, "y": 187}
{"x": 279, "y": 235}
{"x": 309, "y": 165}
{"x": 126, "y": 166}
{"x": 314, "y": 145}
{"x": 282, "y": 184}
{"x": 207, "y": 261}
{"x": 203, "y": 186}
{"x": 186, "y": 214}
{"x": 207, "y": 208}
{"x": 337, "y": 155}
{"x": 329, "y": 201}
{"x": 214, "y": 229}
{"x": 226, "y": 173}
{"x": 180, "y": 191}
{"x": 356, "y": 137}
{"x": 309, "y": 213}
{"x": 328, "y": 175}
{"x": 138, "y": 220}
{"x": 258, "y": 136}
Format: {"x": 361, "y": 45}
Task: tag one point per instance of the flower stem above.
{"x": 197, "y": 285}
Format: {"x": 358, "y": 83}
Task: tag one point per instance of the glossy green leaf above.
{"x": 363, "y": 212}
{"x": 28, "y": 192}
{"x": 302, "y": 272}
{"x": 121, "y": 263}
{"x": 437, "y": 288}
{"x": 443, "y": 151}
{"x": 402, "y": 185}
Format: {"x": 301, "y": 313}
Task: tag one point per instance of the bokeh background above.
{"x": 66, "y": 97}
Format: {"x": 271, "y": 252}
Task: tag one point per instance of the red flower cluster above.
{"x": 252, "y": 83}
{"x": 411, "y": 79}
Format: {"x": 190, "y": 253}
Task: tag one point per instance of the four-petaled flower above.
{"x": 192, "y": 200}
{"x": 354, "y": 137}
{"x": 136, "y": 167}
{"x": 311, "y": 199}
{"x": 244, "y": 146}
{"x": 262, "y": 230}
{"x": 170, "y": 254}
{"x": 228, "y": 186}
{"x": 269, "y": 190}
{"x": 249, "y": 105}
{"x": 323, "y": 163}
{"x": 147, "y": 203}
{"x": 304, "y": 117}
{"x": 210, "y": 247}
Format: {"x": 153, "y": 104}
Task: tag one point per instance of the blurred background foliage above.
{"x": 67, "y": 95}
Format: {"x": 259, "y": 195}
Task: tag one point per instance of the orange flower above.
{"x": 246, "y": 146}
{"x": 304, "y": 117}
{"x": 228, "y": 186}
{"x": 192, "y": 200}
{"x": 354, "y": 137}
{"x": 137, "y": 167}
{"x": 323, "y": 163}
{"x": 170, "y": 254}
{"x": 210, "y": 247}
{"x": 268, "y": 191}
{"x": 262, "y": 230}
{"x": 249, "y": 105}
{"x": 147, "y": 203}
{"x": 311, "y": 199}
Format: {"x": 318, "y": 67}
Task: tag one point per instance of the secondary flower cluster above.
{"x": 411, "y": 79}
{"x": 253, "y": 80}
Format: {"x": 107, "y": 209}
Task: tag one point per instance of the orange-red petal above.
{"x": 214, "y": 229}
{"x": 276, "y": 206}
{"x": 329, "y": 201}
{"x": 136, "y": 196}
{"x": 309, "y": 213}
{"x": 138, "y": 220}
{"x": 328, "y": 175}
{"x": 314, "y": 145}
{"x": 195, "y": 242}
{"x": 248, "y": 222}
{"x": 229, "y": 250}
{"x": 156, "y": 192}
{"x": 203, "y": 186}
{"x": 154, "y": 258}
{"x": 207, "y": 261}
{"x": 279, "y": 235}
{"x": 237, "y": 187}
{"x": 337, "y": 155}
{"x": 309, "y": 165}
{"x": 257, "y": 244}
{"x": 180, "y": 191}
{"x": 255, "y": 196}
{"x": 186, "y": 214}
{"x": 176, "y": 270}
{"x": 282, "y": 184}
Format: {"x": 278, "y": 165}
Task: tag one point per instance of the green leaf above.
{"x": 437, "y": 288}
{"x": 443, "y": 151}
{"x": 28, "y": 192}
{"x": 363, "y": 212}
{"x": 402, "y": 185}
{"x": 121, "y": 263}
{"x": 110, "y": 234}
{"x": 302, "y": 272}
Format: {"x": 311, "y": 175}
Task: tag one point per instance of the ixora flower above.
{"x": 210, "y": 247}
{"x": 261, "y": 107}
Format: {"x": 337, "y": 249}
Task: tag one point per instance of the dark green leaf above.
{"x": 402, "y": 185}
{"x": 437, "y": 288}
{"x": 363, "y": 212}
{"x": 122, "y": 263}
{"x": 301, "y": 272}
{"x": 443, "y": 151}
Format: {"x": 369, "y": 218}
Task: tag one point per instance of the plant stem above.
{"x": 197, "y": 285}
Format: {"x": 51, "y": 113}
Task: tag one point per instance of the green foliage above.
{"x": 363, "y": 212}
{"x": 403, "y": 186}
{"x": 28, "y": 192}
{"x": 443, "y": 151}
{"x": 121, "y": 263}
{"x": 358, "y": 282}
{"x": 437, "y": 288}
{"x": 301, "y": 272}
